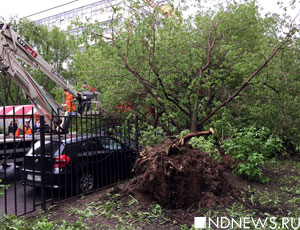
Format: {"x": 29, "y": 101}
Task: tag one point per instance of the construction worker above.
{"x": 11, "y": 129}
{"x": 15, "y": 126}
{"x": 37, "y": 126}
{"x": 27, "y": 129}
{"x": 69, "y": 102}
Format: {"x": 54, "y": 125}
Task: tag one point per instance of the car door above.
{"x": 117, "y": 164}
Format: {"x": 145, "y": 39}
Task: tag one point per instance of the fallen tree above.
{"x": 177, "y": 176}
{"x": 180, "y": 179}
{"x": 173, "y": 174}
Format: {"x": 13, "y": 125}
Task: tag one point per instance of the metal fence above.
{"x": 45, "y": 167}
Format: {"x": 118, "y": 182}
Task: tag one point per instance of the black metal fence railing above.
{"x": 43, "y": 167}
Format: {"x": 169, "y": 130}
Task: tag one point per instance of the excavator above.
{"x": 13, "y": 51}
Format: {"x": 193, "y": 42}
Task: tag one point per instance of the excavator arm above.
{"x": 12, "y": 49}
{"x": 23, "y": 51}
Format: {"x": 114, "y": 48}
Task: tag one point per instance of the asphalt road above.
{"x": 18, "y": 199}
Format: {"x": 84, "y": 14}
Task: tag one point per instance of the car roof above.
{"x": 77, "y": 138}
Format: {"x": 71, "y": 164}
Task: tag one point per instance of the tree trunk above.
{"x": 193, "y": 127}
{"x": 156, "y": 116}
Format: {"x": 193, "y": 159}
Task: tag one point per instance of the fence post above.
{"x": 42, "y": 140}
{"x": 137, "y": 133}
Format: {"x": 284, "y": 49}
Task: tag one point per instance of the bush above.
{"x": 2, "y": 188}
{"x": 206, "y": 145}
{"x": 251, "y": 147}
{"x": 151, "y": 136}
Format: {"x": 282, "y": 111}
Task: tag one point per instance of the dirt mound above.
{"x": 180, "y": 178}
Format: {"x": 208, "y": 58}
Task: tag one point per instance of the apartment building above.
{"x": 62, "y": 15}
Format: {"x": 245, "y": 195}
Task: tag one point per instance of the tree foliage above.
{"x": 252, "y": 147}
{"x": 184, "y": 67}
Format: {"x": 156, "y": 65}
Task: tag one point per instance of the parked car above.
{"x": 83, "y": 163}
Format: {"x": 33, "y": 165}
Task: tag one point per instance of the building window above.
{"x": 87, "y": 11}
{"x": 84, "y": 12}
{"x": 62, "y": 19}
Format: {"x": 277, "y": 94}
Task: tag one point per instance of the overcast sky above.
{"x": 23, "y": 8}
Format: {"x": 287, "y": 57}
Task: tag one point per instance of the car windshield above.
{"x": 50, "y": 148}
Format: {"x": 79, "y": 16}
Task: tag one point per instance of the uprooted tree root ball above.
{"x": 180, "y": 177}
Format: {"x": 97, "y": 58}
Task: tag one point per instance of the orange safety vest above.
{"x": 69, "y": 102}
{"x": 27, "y": 130}
{"x": 17, "y": 132}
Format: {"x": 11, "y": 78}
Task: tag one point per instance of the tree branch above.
{"x": 266, "y": 84}
{"x": 140, "y": 78}
{"x": 210, "y": 43}
{"x": 127, "y": 41}
{"x": 155, "y": 71}
{"x": 175, "y": 102}
{"x": 287, "y": 39}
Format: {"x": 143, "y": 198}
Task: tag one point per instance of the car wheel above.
{"x": 86, "y": 182}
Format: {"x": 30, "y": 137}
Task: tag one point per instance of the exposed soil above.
{"x": 181, "y": 178}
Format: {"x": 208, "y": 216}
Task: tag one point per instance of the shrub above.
{"x": 2, "y": 188}
{"x": 151, "y": 136}
{"x": 251, "y": 147}
{"x": 206, "y": 145}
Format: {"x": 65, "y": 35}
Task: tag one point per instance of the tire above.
{"x": 86, "y": 182}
